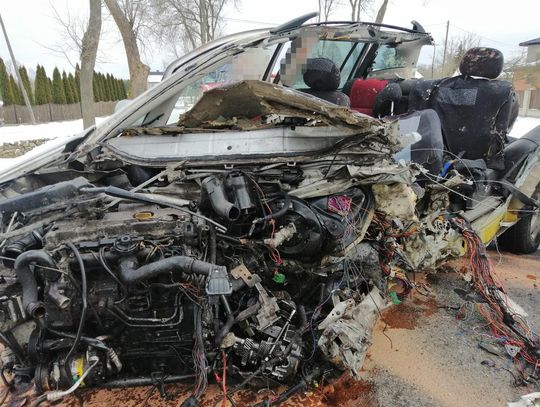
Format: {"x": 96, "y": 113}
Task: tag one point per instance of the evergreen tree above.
{"x": 117, "y": 90}
{"x": 67, "y": 89}
{"x": 125, "y": 83}
{"x": 58, "y": 93}
{"x": 26, "y": 83}
{"x": 74, "y": 90}
{"x": 5, "y": 85}
{"x": 48, "y": 87}
{"x": 40, "y": 90}
{"x": 78, "y": 81}
{"x": 122, "y": 87}
{"x": 102, "y": 87}
{"x": 110, "y": 85}
{"x": 17, "y": 94}
{"x": 103, "y": 84}
{"x": 96, "y": 88}
{"x": 42, "y": 87}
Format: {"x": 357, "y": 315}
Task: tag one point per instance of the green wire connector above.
{"x": 279, "y": 278}
{"x": 395, "y": 298}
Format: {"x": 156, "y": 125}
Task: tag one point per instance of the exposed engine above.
{"x": 123, "y": 287}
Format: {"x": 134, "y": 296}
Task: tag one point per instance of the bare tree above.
{"x": 381, "y": 12}
{"x": 358, "y": 6}
{"x": 457, "y": 46}
{"x": 326, "y": 7}
{"x": 71, "y": 28}
{"x": 515, "y": 62}
{"x": 89, "y": 47}
{"x": 189, "y": 22}
{"x": 129, "y": 16}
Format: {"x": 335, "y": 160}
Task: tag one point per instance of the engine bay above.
{"x": 138, "y": 285}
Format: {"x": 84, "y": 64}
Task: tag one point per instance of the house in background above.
{"x": 533, "y": 50}
{"x": 526, "y": 80}
{"x": 154, "y": 77}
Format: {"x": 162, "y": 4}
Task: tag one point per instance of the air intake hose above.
{"x": 131, "y": 273}
{"x": 27, "y": 280}
{"x": 213, "y": 187}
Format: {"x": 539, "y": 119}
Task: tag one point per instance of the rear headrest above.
{"x": 322, "y": 74}
{"x": 483, "y": 62}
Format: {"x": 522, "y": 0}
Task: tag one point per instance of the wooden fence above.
{"x": 17, "y": 114}
{"x": 529, "y": 102}
{"x": 535, "y": 99}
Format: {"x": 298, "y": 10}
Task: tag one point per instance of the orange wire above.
{"x": 224, "y": 380}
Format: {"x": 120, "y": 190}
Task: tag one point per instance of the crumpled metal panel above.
{"x": 250, "y": 99}
{"x": 347, "y": 335}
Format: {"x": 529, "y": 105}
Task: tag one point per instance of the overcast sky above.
{"x": 500, "y": 24}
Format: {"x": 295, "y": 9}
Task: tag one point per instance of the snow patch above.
{"x": 21, "y": 132}
{"x": 523, "y": 125}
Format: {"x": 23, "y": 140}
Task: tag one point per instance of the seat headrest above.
{"x": 386, "y": 99}
{"x": 483, "y": 62}
{"x": 322, "y": 74}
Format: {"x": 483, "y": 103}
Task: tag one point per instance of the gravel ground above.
{"x": 18, "y": 148}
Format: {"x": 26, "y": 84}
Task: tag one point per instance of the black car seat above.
{"x": 406, "y": 85}
{"x": 518, "y": 150}
{"x": 475, "y": 109}
{"x": 323, "y": 77}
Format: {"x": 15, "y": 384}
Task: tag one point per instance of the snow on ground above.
{"x": 524, "y": 125}
{"x": 21, "y": 132}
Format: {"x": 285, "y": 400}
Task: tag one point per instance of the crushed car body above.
{"x": 254, "y": 229}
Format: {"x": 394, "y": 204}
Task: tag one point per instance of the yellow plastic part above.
{"x": 146, "y": 215}
{"x": 488, "y": 231}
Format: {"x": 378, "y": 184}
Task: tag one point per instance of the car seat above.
{"x": 323, "y": 77}
{"x": 475, "y": 109}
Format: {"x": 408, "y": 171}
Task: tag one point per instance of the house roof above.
{"x": 530, "y": 42}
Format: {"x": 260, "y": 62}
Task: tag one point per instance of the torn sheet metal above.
{"x": 251, "y": 99}
{"x": 344, "y": 177}
{"x": 243, "y": 104}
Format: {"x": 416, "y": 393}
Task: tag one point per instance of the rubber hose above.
{"x": 130, "y": 273}
{"x": 27, "y": 280}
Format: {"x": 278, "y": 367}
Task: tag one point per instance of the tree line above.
{"x": 63, "y": 88}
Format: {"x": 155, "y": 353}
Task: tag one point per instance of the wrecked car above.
{"x": 254, "y": 229}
